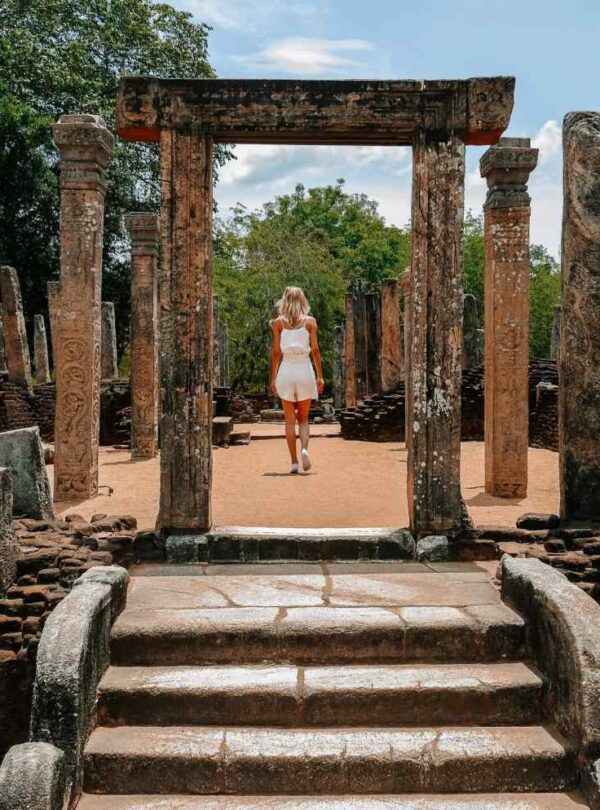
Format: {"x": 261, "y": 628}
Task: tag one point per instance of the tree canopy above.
{"x": 64, "y": 56}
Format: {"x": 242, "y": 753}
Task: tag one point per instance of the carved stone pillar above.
{"x": 434, "y": 384}
{"x": 506, "y": 168}
{"x": 143, "y": 232}
{"x": 15, "y": 336}
{"x": 555, "y": 335}
{"x": 338, "y": 367}
{"x": 391, "y": 341}
{"x": 349, "y": 353}
{"x": 109, "y": 360}
{"x": 40, "y": 351}
{"x": 85, "y": 146}
{"x": 404, "y": 286}
{"x": 579, "y": 356}
{"x": 53, "y": 288}
{"x": 186, "y": 332}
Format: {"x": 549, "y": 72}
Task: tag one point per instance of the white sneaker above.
{"x": 294, "y": 468}
{"x": 306, "y": 462}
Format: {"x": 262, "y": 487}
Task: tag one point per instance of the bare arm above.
{"x": 275, "y": 354}
{"x": 316, "y": 355}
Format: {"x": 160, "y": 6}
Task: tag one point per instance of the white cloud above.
{"x": 247, "y": 14}
{"x": 548, "y": 140}
{"x": 308, "y": 55}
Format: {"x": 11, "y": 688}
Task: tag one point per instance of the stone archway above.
{"x": 436, "y": 118}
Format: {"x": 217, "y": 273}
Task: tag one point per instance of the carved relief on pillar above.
{"x": 85, "y": 147}
{"x": 143, "y": 232}
{"x": 506, "y": 168}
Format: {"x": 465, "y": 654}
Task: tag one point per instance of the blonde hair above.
{"x": 293, "y": 307}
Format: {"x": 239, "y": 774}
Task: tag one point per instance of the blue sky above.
{"x": 552, "y": 47}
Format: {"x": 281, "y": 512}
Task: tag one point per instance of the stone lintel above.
{"x": 143, "y": 230}
{"x": 506, "y": 167}
{"x": 316, "y": 112}
{"x": 85, "y": 146}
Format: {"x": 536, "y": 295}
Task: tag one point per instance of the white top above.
{"x": 295, "y": 342}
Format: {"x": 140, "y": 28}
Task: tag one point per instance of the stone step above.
{"x": 259, "y": 544}
{"x": 272, "y": 761}
{"x": 479, "y": 694}
{"x": 317, "y": 635}
{"x": 481, "y": 801}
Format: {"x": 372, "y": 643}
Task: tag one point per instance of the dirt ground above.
{"x": 351, "y": 484}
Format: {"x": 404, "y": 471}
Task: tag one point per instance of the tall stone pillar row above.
{"x": 85, "y": 146}
{"x": 53, "y": 290}
{"x": 338, "y": 367}
{"x": 40, "y": 351}
{"x": 579, "y": 355}
{"x": 186, "y": 332}
{"x": 392, "y": 354}
{"x": 13, "y": 325}
{"x": 506, "y": 167}
{"x": 143, "y": 231}
{"x": 109, "y": 361}
{"x": 435, "y": 346}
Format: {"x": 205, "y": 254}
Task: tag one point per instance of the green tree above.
{"x": 474, "y": 259}
{"x": 64, "y": 56}
{"x": 319, "y": 239}
{"x": 544, "y": 295}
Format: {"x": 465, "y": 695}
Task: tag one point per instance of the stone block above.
{"x": 187, "y": 548}
{"x": 22, "y": 453}
{"x": 434, "y": 548}
{"x": 532, "y": 520}
{"x": 8, "y": 563}
{"x": 33, "y": 777}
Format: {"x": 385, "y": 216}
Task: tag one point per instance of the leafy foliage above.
{"x": 318, "y": 239}
{"x": 64, "y": 56}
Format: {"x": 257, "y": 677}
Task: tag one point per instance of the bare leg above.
{"x": 303, "y": 427}
{"x": 289, "y": 410}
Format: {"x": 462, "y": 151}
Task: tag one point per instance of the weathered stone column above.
{"x": 186, "y": 332}
{"x": 40, "y": 351}
{"x": 216, "y": 340}
{"x": 143, "y": 232}
{"x": 472, "y": 356}
{"x": 391, "y": 340}
{"x": 338, "y": 366}
{"x": 506, "y": 168}
{"x": 53, "y": 289}
{"x": 579, "y": 356}
{"x": 85, "y": 146}
{"x": 13, "y": 324}
{"x": 555, "y": 335}
{"x": 436, "y": 313}
{"x": 109, "y": 362}
{"x": 350, "y": 353}
{"x": 404, "y": 286}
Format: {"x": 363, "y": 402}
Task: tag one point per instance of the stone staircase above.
{"x": 323, "y": 686}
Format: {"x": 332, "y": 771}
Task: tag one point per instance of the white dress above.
{"x": 295, "y": 379}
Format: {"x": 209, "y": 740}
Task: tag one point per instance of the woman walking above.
{"x": 292, "y": 375}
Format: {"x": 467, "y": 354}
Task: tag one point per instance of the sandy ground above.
{"x": 351, "y": 484}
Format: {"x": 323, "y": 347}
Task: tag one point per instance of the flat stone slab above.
{"x": 321, "y": 589}
{"x": 332, "y": 761}
{"x": 283, "y": 695}
{"x": 481, "y": 801}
